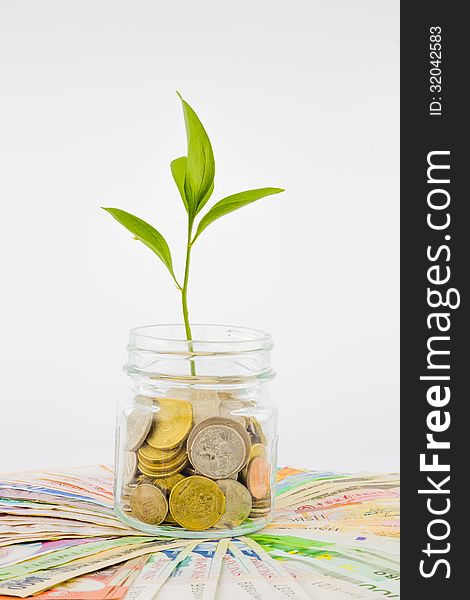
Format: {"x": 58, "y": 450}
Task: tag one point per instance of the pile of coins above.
{"x": 185, "y": 468}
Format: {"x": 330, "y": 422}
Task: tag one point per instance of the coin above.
{"x": 150, "y": 454}
{"x": 262, "y": 502}
{"x": 148, "y": 504}
{"x": 256, "y": 431}
{"x": 205, "y": 403}
{"x": 172, "y": 424}
{"x": 256, "y": 450}
{"x": 218, "y": 451}
{"x": 169, "y": 465}
{"x": 139, "y": 421}
{"x": 218, "y": 447}
{"x": 257, "y": 478}
{"x": 196, "y": 503}
{"x": 155, "y": 475}
{"x": 130, "y": 467}
{"x": 167, "y": 483}
{"x": 237, "y": 503}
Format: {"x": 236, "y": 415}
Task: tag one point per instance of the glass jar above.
{"x": 196, "y": 440}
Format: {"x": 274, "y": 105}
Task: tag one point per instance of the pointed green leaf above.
{"x": 147, "y": 234}
{"x": 231, "y": 203}
{"x": 206, "y": 198}
{"x": 200, "y": 165}
{"x": 178, "y": 170}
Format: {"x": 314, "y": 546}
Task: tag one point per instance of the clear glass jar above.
{"x": 196, "y": 440}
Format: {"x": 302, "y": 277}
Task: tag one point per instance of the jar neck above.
{"x": 218, "y": 355}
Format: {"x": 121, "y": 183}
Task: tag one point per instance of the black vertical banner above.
{"x": 435, "y": 256}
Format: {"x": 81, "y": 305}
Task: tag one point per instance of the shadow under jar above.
{"x": 196, "y": 440}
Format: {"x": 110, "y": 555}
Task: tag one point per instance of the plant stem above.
{"x": 184, "y": 295}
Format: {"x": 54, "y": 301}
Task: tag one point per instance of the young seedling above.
{"x": 194, "y": 177}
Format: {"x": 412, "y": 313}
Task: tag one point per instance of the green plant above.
{"x": 194, "y": 177}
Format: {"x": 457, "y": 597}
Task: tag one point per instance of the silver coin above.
{"x": 218, "y": 451}
{"x": 237, "y": 503}
{"x": 129, "y": 468}
{"x": 139, "y": 422}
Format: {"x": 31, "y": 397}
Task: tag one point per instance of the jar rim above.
{"x": 211, "y": 338}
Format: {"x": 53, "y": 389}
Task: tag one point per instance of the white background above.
{"x": 301, "y": 95}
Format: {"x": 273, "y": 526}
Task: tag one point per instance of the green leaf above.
{"x": 147, "y": 234}
{"x": 178, "y": 170}
{"x": 206, "y": 198}
{"x": 231, "y": 203}
{"x": 200, "y": 164}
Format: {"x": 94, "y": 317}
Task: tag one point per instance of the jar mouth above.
{"x": 207, "y": 339}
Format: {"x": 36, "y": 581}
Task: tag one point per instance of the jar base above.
{"x": 249, "y": 526}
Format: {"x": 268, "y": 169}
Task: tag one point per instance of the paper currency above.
{"x": 262, "y": 566}
{"x": 197, "y": 575}
{"x": 374, "y": 570}
{"x": 41, "y": 580}
{"x": 333, "y": 536}
{"x": 106, "y": 584}
{"x": 155, "y": 573}
{"x": 65, "y": 555}
{"x": 17, "y": 553}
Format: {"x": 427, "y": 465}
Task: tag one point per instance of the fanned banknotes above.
{"x": 333, "y": 536}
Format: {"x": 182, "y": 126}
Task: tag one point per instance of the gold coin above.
{"x": 237, "y": 503}
{"x": 156, "y": 474}
{"x": 167, "y": 483}
{"x": 148, "y": 504}
{"x": 168, "y": 465}
{"x": 150, "y": 454}
{"x": 256, "y": 431}
{"x": 197, "y": 503}
{"x": 164, "y": 465}
{"x": 205, "y": 403}
{"x": 172, "y": 424}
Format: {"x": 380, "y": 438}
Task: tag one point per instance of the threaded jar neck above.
{"x": 221, "y": 354}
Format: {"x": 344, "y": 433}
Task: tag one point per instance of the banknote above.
{"x": 155, "y": 573}
{"x": 24, "y": 529}
{"x": 27, "y": 503}
{"x": 41, "y": 494}
{"x": 340, "y": 497}
{"x": 11, "y": 555}
{"x": 65, "y": 555}
{"x": 19, "y": 514}
{"x": 129, "y": 573}
{"x": 263, "y": 566}
{"x": 197, "y": 575}
{"x": 8, "y": 490}
{"x": 291, "y": 484}
{"x": 106, "y": 584}
{"x": 369, "y": 518}
{"x": 41, "y": 580}
{"x": 66, "y": 484}
{"x": 289, "y": 479}
{"x": 237, "y": 581}
{"x": 351, "y": 538}
{"x": 326, "y": 490}
{"x": 373, "y": 569}
{"x": 93, "y": 477}
{"x": 323, "y": 587}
